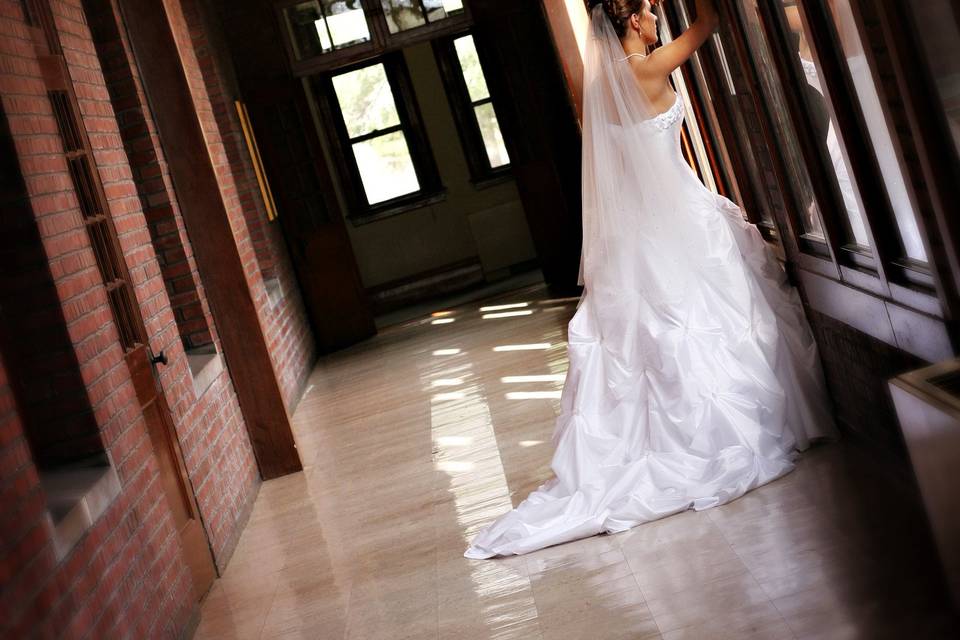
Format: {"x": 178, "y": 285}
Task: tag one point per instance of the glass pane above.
{"x": 877, "y": 128}
{"x": 386, "y": 167}
{"x": 789, "y": 148}
{"x": 323, "y": 25}
{"x": 366, "y": 100}
{"x": 403, "y": 14}
{"x": 825, "y": 128}
{"x": 435, "y": 10}
{"x": 492, "y": 139}
{"x": 470, "y": 66}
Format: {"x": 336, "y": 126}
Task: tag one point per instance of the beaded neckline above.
{"x": 667, "y": 119}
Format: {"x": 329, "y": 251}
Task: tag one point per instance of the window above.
{"x": 879, "y": 131}
{"x": 321, "y": 35}
{"x": 407, "y": 14}
{"x": 838, "y": 141}
{"x": 806, "y": 207}
{"x": 827, "y": 130}
{"x": 320, "y": 26}
{"x": 473, "y": 108}
{"x": 386, "y": 159}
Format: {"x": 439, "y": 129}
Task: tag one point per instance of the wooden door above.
{"x": 102, "y": 235}
{"x": 173, "y": 472}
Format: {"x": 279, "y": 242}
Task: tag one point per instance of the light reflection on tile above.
{"x": 522, "y": 347}
{"x": 549, "y": 377}
{"x": 506, "y": 314}
{"x": 399, "y": 476}
{"x": 531, "y": 395}
{"x": 499, "y": 307}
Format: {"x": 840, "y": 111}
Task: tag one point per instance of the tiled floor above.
{"x": 409, "y": 449}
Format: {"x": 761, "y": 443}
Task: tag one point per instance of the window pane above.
{"x": 825, "y": 128}
{"x": 492, "y": 139}
{"x": 873, "y": 115}
{"x": 386, "y": 167}
{"x": 323, "y": 25}
{"x": 403, "y": 14}
{"x": 435, "y": 10}
{"x": 789, "y": 148}
{"x": 366, "y": 100}
{"x": 407, "y": 14}
{"x": 470, "y": 65}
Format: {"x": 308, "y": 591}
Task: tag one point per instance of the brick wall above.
{"x": 857, "y": 368}
{"x": 152, "y": 179}
{"x": 210, "y": 427}
{"x": 126, "y": 576}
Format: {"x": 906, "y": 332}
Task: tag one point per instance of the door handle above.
{"x": 160, "y": 358}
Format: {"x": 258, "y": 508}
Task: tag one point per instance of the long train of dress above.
{"x": 682, "y": 401}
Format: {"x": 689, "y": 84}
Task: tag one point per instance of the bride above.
{"x": 693, "y": 374}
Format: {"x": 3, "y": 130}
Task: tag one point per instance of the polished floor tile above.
{"x": 414, "y": 440}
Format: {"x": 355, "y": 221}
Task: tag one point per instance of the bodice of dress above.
{"x": 670, "y": 117}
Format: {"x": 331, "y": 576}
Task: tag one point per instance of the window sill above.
{"x": 205, "y": 365}
{"x": 492, "y": 180}
{"x": 76, "y": 498}
{"x": 401, "y": 207}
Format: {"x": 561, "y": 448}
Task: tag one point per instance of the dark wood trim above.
{"x": 204, "y": 213}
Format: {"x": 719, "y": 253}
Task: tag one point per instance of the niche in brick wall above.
{"x": 154, "y": 187}
{"x": 43, "y": 366}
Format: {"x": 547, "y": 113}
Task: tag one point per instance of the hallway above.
{"x": 413, "y": 440}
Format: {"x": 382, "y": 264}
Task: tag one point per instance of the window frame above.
{"x": 482, "y": 174}
{"x": 884, "y": 271}
{"x": 886, "y": 305}
{"x": 381, "y": 40}
{"x": 892, "y": 276}
{"x": 431, "y": 190}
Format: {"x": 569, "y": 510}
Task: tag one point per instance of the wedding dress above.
{"x": 693, "y": 376}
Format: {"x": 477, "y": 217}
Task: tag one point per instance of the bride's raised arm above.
{"x": 670, "y": 56}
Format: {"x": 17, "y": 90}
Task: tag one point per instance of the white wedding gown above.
{"x": 693, "y": 375}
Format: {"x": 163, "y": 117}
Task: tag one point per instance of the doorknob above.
{"x": 160, "y": 358}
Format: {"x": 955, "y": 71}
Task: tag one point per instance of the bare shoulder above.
{"x": 652, "y": 82}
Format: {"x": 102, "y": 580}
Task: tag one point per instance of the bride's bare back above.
{"x": 652, "y": 71}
